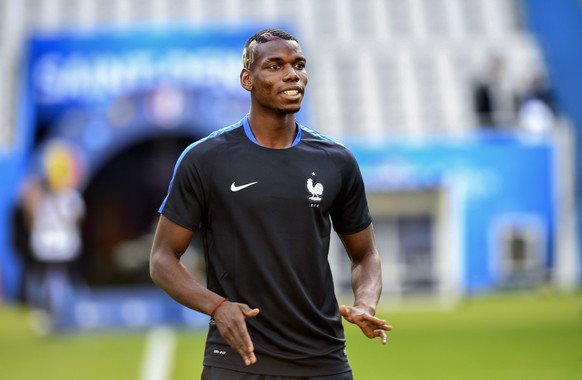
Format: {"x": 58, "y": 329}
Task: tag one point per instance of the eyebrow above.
{"x": 280, "y": 59}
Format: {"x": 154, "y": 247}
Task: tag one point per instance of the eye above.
{"x": 300, "y": 65}
{"x": 274, "y": 67}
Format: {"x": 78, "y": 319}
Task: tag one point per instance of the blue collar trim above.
{"x": 251, "y": 136}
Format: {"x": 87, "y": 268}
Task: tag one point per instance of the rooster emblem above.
{"x": 315, "y": 190}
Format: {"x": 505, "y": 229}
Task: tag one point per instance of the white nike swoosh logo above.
{"x": 235, "y": 188}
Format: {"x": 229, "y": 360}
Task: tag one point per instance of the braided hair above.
{"x": 261, "y": 37}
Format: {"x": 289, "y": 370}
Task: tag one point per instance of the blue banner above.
{"x": 495, "y": 180}
{"x": 86, "y": 97}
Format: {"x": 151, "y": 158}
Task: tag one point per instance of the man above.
{"x": 263, "y": 192}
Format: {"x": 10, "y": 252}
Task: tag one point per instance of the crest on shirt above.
{"x": 315, "y": 189}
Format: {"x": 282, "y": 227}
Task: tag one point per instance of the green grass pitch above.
{"x": 504, "y": 336}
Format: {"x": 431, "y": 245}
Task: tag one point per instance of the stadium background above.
{"x": 461, "y": 208}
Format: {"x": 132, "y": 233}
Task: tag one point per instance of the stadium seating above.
{"x": 377, "y": 67}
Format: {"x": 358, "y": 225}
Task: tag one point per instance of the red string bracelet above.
{"x": 217, "y": 306}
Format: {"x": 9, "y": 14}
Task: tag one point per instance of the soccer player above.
{"x": 264, "y": 193}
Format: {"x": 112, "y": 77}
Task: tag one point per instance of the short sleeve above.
{"x": 184, "y": 203}
{"x": 350, "y": 213}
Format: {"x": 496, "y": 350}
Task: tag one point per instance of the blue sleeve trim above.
{"x": 192, "y": 146}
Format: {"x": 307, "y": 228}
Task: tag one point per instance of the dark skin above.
{"x": 276, "y": 82}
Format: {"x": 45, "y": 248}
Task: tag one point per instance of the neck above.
{"x": 273, "y": 131}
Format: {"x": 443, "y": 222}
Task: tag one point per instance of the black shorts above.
{"x": 215, "y": 373}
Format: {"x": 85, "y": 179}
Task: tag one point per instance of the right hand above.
{"x": 230, "y": 318}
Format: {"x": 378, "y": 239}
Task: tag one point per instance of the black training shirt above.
{"x": 265, "y": 216}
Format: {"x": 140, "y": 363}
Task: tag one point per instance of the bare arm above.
{"x": 167, "y": 272}
{"x": 366, "y": 283}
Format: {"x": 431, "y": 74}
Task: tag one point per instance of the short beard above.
{"x": 289, "y": 112}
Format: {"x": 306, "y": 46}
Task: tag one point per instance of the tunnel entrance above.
{"x": 122, "y": 200}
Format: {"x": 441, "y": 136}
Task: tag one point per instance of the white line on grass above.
{"x": 159, "y": 352}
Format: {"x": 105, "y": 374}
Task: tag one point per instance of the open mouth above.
{"x": 291, "y": 92}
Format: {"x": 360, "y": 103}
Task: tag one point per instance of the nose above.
{"x": 291, "y": 75}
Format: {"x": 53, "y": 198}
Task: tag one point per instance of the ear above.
{"x": 246, "y": 79}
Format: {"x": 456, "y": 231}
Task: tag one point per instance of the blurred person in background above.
{"x": 263, "y": 193}
{"x": 493, "y": 101}
{"x": 536, "y": 107}
{"x": 53, "y": 211}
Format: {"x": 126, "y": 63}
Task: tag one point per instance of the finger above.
{"x": 343, "y": 310}
{"x": 252, "y": 312}
{"x": 345, "y": 313}
{"x": 249, "y": 348}
{"x": 245, "y": 349}
{"x": 235, "y": 332}
{"x": 373, "y": 319}
{"x": 250, "y": 359}
{"x": 247, "y": 338}
{"x": 379, "y": 324}
{"x": 382, "y": 335}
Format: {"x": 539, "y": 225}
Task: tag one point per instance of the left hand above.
{"x": 371, "y": 326}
